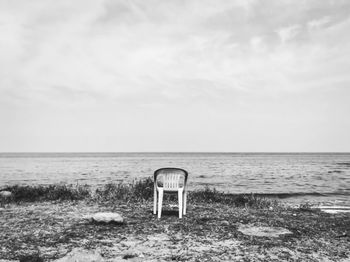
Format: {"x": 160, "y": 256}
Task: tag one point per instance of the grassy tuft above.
{"x": 141, "y": 190}
{"x": 138, "y": 190}
{"x": 209, "y": 195}
{"x": 47, "y": 192}
{"x": 31, "y": 258}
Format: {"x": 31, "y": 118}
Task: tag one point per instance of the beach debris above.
{"x": 81, "y": 255}
{"x": 261, "y": 231}
{"x": 107, "y": 217}
{"x": 334, "y": 209}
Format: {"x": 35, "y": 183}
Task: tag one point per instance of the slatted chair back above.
{"x": 170, "y": 178}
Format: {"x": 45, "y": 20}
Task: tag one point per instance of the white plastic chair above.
{"x": 170, "y": 180}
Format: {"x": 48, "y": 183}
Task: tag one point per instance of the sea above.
{"x": 315, "y": 178}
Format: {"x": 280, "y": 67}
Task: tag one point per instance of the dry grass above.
{"x": 50, "y": 230}
{"x": 41, "y": 225}
{"x": 47, "y": 192}
{"x": 141, "y": 190}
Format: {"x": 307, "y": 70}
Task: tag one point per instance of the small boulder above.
{"x": 5, "y": 194}
{"x": 261, "y": 231}
{"x": 80, "y": 255}
{"x": 107, "y": 217}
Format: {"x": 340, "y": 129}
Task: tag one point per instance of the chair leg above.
{"x": 185, "y": 200}
{"x": 180, "y": 192}
{"x": 155, "y": 202}
{"x": 160, "y": 202}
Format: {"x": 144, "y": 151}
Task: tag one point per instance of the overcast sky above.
{"x": 174, "y": 75}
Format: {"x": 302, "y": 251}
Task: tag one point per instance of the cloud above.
{"x": 318, "y": 23}
{"x": 288, "y": 33}
{"x": 207, "y": 56}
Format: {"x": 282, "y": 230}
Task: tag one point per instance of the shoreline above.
{"x": 281, "y": 174}
{"x": 314, "y": 199}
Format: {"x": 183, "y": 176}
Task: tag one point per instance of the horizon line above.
{"x": 177, "y": 152}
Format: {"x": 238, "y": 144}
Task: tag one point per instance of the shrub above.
{"x": 138, "y": 190}
{"x": 48, "y": 192}
{"x": 209, "y": 195}
{"x": 143, "y": 189}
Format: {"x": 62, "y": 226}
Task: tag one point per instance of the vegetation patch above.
{"x": 39, "y": 225}
{"x": 141, "y": 190}
{"x": 47, "y": 192}
{"x": 208, "y": 195}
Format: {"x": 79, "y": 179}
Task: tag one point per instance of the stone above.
{"x": 81, "y": 255}
{"x": 261, "y": 231}
{"x": 107, "y": 217}
{"x": 5, "y": 194}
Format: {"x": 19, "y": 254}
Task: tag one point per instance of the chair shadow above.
{"x": 170, "y": 213}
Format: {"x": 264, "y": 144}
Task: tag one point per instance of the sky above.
{"x": 174, "y": 75}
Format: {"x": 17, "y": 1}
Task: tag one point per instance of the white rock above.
{"x": 107, "y": 217}
{"x": 80, "y": 255}
{"x": 5, "y": 194}
{"x": 261, "y": 231}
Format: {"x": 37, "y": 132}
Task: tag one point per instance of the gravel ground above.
{"x": 46, "y": 231}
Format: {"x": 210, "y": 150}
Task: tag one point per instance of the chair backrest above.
{"x": 172, "y": 178}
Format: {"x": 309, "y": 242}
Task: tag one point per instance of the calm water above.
{"x": 317, "y": 177}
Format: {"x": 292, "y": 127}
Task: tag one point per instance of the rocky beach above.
{"x": 66, "y": 225}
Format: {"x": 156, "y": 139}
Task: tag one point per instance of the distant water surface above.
{"x": 311, "y": 176}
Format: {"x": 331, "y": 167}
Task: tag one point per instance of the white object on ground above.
{"x": 170, "y": 180}
{"x": 335, "y": 209}
{"x": 81, "y": 255}
{"x": 5, "y": 194}
{"x": 263, "y": 231}
{"x": 107, "y": 217}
